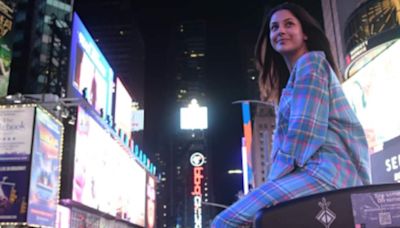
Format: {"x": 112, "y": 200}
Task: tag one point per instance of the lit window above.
{"x": 121, "y": 32}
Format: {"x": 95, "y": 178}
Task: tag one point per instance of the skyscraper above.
{"x": 189, "y": 182}
{"x": 40, "y": 51}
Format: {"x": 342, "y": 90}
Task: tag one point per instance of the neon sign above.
{"x": 197, "y": 160}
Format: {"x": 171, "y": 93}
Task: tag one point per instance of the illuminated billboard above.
{"x": 194, "y": 117}
{"x": 45, "y": 170}
{"x": 106, "y": 177}
{"x": 150, "y": 202}
{"x": 197, "y": 160}
{"x": 137, "y": 119}
{"x": 123, "y": 111}
{"x": 90, "y": 75}
{"x": 372, "y": 93}
{"x": 14, "y": 179}
{"x": 16, "y": 126}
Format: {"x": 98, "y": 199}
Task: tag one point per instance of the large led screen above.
{"x": 373, "y": 92}
{"x": 150, "y": 202}
{"x": 123, "y": 110}
{"x": 106, "y": 178}
{"x": 45, "y": 170}
{"x": 89, "y": 72}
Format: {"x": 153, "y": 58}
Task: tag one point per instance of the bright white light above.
{"x": 235, "y": 171}
{"x": 194, "y": 116}
{"x": 370, "y": 92}
{"x": 245, "y": 167}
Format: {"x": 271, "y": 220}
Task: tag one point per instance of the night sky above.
{"x": 227, "y": 23}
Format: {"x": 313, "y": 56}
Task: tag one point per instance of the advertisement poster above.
{"x": 13, "y": 192}
{"x": 93, "y": 178}
{"x": 371, "y": 93}
{"x": 385, "y": 165}
{"x": 123, "y": 114}
{"x": 63, "y": 218}
{"x": 379, "y": 209}
{"x": 106, "y": 178}
{"x": 16, "y": 133}
{"x": 150, "y": 202}
{"x": 45, "y": 171}
{"x": 6, "y": 41}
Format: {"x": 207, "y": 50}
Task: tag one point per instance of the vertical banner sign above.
{"x": 15, "y": 148}
{"x": 6, "y": 41}
{"x": 45, "y": 171}
{"x": 13, "y": 191}
{"x": 248, "y": 141}
{"x": 197, "y": 160}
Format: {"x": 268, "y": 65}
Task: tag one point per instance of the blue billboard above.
{"x": 45, "y": 170}
{"x": 90, "y": 75}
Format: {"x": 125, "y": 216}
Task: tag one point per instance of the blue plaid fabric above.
{"x": 319, "y": 144}
{"x": 316, "y": 128}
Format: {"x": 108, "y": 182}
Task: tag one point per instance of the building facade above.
{"x": 41, "y": 46}
{"x": 189, "y": 183}
{"x": 335, "y": 15}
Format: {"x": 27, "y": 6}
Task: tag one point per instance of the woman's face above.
{"x": 286, "y": 34}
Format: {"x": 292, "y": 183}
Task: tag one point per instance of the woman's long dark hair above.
{"x": 273, "y": 72}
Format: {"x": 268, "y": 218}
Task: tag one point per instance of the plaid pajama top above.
{"x": 316, "y": 130}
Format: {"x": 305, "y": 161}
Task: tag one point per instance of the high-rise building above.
{"x": 263, "y": 128}
{"x": 189, "y": 184}
{"x": 40, "y": 52}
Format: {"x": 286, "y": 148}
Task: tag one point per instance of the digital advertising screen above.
{"x": 88, "y": 171}
{"x": 45, "y": 170}
{"x": 63, "y": 218}
{"x": 123, "y": 110}
{"x": 89, "y": 71}
{"x": 106, "y": 178}
{"x": 150, "y": 201}
{"x": 372, "y": 93}
{"x": 138, "y": 120}
{"x": 16, "y": 126}
{"x": 14, "y": 179}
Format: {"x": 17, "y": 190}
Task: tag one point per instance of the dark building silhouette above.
{"x": 40, "y": 50}
{"x": 187, "y": 80}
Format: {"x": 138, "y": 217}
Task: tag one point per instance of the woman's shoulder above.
{"x": 311, "y": 57}
{"x": 312, "y": 60}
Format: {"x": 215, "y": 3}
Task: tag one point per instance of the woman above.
{"x": 319, "y": 144}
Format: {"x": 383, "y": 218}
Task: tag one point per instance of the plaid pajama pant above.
{"x": 294, "y": 185}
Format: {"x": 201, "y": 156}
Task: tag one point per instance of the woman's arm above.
{"x": 309, "y": 108}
